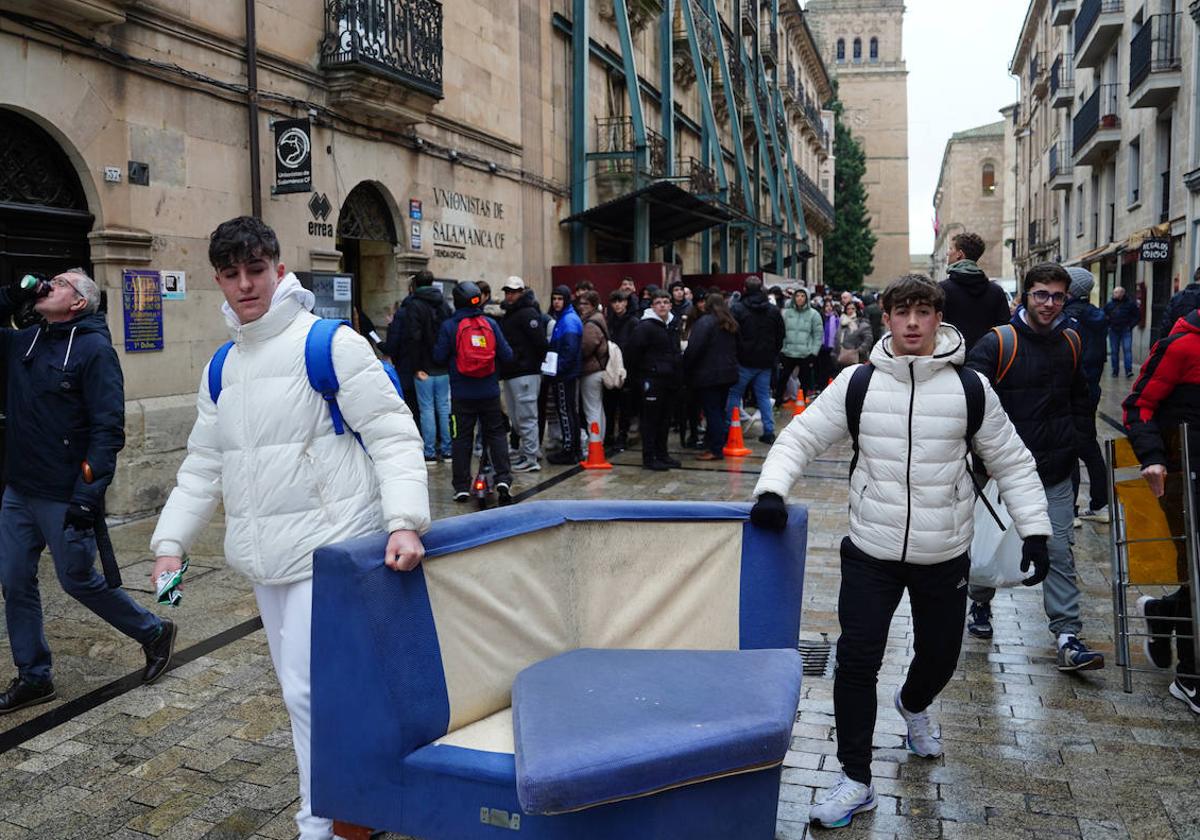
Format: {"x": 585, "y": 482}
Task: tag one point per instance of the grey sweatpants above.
{"x": 1060, "y": 592}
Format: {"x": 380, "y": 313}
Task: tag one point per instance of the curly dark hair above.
{"x": 240, "y": 240}
{"x": 971, "y": 244}
{"x": 911, "y": 290}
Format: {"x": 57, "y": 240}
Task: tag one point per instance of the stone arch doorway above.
{"x": 366, "y": 237}
{"x": 44, "y": 215}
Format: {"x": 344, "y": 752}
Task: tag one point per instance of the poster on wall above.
{"x": 293, "y": 156}
{"x": 141, "y": 299}
{"x": 174, "y": 285}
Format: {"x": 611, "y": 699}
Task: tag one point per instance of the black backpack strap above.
{"x": 856, "y": 394}
{"x": 974, "y": 394}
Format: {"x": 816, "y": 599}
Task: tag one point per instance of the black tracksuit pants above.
{"x": 464, "y": 414}
{"x": 871, "y": 590}
{"x": 658, "y": 401}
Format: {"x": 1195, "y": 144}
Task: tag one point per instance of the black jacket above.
{"x": 1044, "y": 393}
{"x": 66, "y": 405}
{"x": 394, "y": 345}
{"x": 974, "y": 304}
{"x": 620, "y": 328}
{"x": 1093, "y": 330}
{"x": 1182, "y": 303}
{"x": 760, "y": 331}
{"x": 423, "y": 317}
{"x": 1122, "y": 314}
{"x": 711, "y": 356}
{"x": 653, "y": 354}
{"x": 525, "y": 330}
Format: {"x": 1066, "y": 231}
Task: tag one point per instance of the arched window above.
{"x": 841, "y": 49}
{"x": 989, "y": 179}
{"x": 874, "y": 49}
{"x": 858, "y": 49}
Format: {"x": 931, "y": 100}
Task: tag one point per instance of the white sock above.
{"x": 1063, "y": 638}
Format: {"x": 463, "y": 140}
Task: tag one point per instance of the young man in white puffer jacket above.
{"x": 911, "y": 521}
{"x": 267, "y": 448}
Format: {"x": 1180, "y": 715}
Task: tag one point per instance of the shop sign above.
{"x": 1155, "y": 249}
{"x": 293, "y": 156}
{"x": 320, "y": 208}
{"x": 414, "y": 209}
{"x": 464, "y": 224}
{"x": 141, "y": 299}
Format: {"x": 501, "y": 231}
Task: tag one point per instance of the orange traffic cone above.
{"x": 595, "y": 457}
{"x": 809, "y": 397}
{"x": 801, "y": 404}
{"x": 735, "y": 447}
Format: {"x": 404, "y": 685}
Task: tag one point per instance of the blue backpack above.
{"x": 318, "y": 363}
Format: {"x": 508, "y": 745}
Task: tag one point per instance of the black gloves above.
{"x": 769, "y": 512}
{"x": 81, "y": 517}
{"x": 1033, "y": 550}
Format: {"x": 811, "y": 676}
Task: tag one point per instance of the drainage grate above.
{"x": 816, "y": 656}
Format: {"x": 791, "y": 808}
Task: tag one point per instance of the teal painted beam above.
{"x": 641, "y": 220}
{"x": 708, "y": 120}
{"x": 666, "y": 49}
{"x": 579, "y": 116}
{"x": 739, "y": 153}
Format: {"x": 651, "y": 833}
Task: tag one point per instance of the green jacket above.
{"x": 802, "y": 331}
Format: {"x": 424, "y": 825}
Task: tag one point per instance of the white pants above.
{"x": 287, "y": 617}
{"x": 591, "y": 399}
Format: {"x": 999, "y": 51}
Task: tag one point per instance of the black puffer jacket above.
{"x": 525, "y": 330}
{"x": 66, "y": 405}
{"x": 711, "y": 356}
{"x": 974, "y": 304}
{"x": 621, "y": 327}
{"x": 653, "y": 354}
{"x": 1044, "y": 393}
{"x": 423, "y": 316}
{"x": 760, "y": 331}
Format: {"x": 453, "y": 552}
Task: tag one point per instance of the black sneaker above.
{"x": 1186, "y": 689}
{"x": 768, "y": 438}
{"x": 503, "y": 494}
{"x": 158, "y": 652}
{"x": 21, "y": 694}
{"x": 461, "y": 496}
{"x": 671, "y": 462}
{"x": 980, "y": 623}
{"x": 657, "y": 466}
{"x": 1158, "y": 643}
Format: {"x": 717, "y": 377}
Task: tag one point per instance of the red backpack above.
{"x": 475, "y": 347}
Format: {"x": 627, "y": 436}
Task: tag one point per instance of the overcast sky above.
{"x": 957, "y": 54}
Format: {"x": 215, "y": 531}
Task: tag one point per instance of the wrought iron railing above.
{"x": 815, "y": 196}
{"x": 1100, "y": 110}
{"x": 769, "y": 46}
{"x": 1062, "y": 75}
{"x": 813, "y": 111}
{"x": 615, "y": 135}
{"x": 737, "y": 197}
{"x": 1036, "y": 68}
{"x": 1059, "y": 161}
{"x": 699, "y": 179}
{"x": 1035, "y": 235}
{"x": 397, "y": 38}
{"x": 1165, "y": 188}
{"x": 1088, "y": 14}
{"x": 1154, "y": 48}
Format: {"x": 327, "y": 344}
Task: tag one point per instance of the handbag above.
{"x": 995, "y": 553}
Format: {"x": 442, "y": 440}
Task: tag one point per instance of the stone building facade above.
{"x": 862, "y": 43}
{"x": 127, "y": 135}
{"x": 1105, "y": 140}
{"x": 970, "y": 196}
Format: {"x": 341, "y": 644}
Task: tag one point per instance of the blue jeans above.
{"x": 761, "y": 380}
{"x": 433, "y": 396}
{"x": 27, "y": 525}
{"x": 1118, "y": 341}
{"x": 1060, "y": 589}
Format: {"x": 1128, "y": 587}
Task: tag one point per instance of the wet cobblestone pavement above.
{"x": 205, "y": 752}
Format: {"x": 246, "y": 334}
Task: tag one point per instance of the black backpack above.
{"x": 1181, "y": 305}
{"x": 856, "y": 394}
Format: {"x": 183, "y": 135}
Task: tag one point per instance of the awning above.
{"x": 1096, "y": 254}
{"x": 1135, "y": 240}
{"x": 674, "y": 214}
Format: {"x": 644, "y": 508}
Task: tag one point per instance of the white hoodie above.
{"x": 911, "y": 497}
{"x": 268, "y": 450}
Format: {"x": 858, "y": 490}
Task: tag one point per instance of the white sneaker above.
{"x": 1100, "y": 515}
{"x": 921, "y": 740}
{"x": 838, "y": 805}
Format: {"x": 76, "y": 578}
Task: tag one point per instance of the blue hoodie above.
{"x": 470, "y": 387}
{"x": 567, "y": 337}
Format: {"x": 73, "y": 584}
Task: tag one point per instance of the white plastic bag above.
{"x": 995, "y": 554}
{"x": 550, "y": 364}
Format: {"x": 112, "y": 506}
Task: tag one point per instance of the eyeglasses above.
{"x": 1041, "y": 296}
{"x": 63, "y": 282}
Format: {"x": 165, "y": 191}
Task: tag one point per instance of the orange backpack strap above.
{"x": 1076, "y": 344}
{"x": 1003, "y": 366}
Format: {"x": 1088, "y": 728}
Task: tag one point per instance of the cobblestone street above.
{"x": 205, "y": 752}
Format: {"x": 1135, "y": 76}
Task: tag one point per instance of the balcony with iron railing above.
{"x": 1155, "y": 66}
{"x": 695, "y": 177}
{"x": 1059, "y": 167}
{"x": 1097, "y": 27}
{"x": 768, "y": 45}
{"x": 818, "y": 205}
{"x": 616, "y": 147}
{"x": 1062, "y": 12}
{"x": 1036, "y": 236}
{"x": 749, "y": 16}
{"x": 383, "y": 60}
{"x": 1096, "y": 127}
{"x": 1037, "y": 74}
{"x": 1062, "y": 81}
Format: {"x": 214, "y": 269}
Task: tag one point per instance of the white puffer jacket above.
{"x": 911, "y": 496}
{"x": 268, "y": 450}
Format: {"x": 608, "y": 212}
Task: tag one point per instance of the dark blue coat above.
{"x": 470, "y": 387}
{"x": 566, "y": 341}
{"x": 1093, "y": 332}
{"x": 1122, "y": 315}
{"x": 66, "y": 405}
